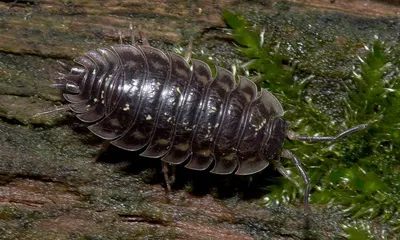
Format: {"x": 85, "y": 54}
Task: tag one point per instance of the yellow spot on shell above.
{"x": 182, "y": 146}
{"x": 126, "y": 108}
{"x": 139, "y": 135}
{"x": 163, "y": 141}
{"x": 204, "y": 152}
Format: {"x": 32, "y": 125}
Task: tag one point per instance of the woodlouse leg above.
{"x": 173, "y": 174}
{"x": 168, "y": 181}
{"x": 145, "y": 41}
{"x": 188, "y": 52}
{"x": 104, "y": 147}
{"x": 132, "y": 34}
{"x": 289, "y": 154}
{"x": 120, "y": 36}
{"x": 137, "y": 37}
{"x": 295, "y": 136}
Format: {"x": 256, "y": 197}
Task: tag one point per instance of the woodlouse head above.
{"x": 272, "y": 146}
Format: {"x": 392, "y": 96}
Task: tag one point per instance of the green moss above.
{"x": 361, "y": 172}
{"x": 363, "y": 230}
{"x": 264, "y": 57}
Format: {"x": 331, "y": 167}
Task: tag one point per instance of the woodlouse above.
{"x": 138, "y": 96}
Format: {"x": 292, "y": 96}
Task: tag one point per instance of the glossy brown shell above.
{"x": 137, "y": 96}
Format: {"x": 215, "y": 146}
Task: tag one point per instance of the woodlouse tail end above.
{"x": 56, "y": 109}
{"x": 66, "y": 87}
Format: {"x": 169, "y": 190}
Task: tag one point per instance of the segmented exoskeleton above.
{"x": 136, "y": 96}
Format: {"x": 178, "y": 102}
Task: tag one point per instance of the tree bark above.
{"x": 55, "y": 181}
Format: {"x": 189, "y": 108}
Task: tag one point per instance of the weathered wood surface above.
{"x": 52, "y": 186}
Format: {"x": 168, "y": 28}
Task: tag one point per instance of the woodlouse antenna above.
{"x": 297, "y": 163}
{"x": 287, "y": 154}
{"x": 295, "y": 136}
{"x": 56, "y": 109}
